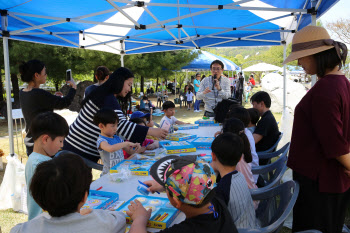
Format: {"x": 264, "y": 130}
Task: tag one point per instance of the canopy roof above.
{"x": 203, "y": 61}
{"x": 129, "y": 27}
{"x": 262, "y": 67}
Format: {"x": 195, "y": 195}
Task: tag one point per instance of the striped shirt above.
{"x": 212, "y": 98}
{"x": 233, "y": 190}
{"x": 83, "y": 133}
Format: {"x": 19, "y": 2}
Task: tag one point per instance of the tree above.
{"x": 341, "y": 28}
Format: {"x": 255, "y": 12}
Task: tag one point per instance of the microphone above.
{"x": 215, "y": 76}
{"x": 214, "y": 79}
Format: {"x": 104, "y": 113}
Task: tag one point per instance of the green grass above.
{"x": 9, "y": 218}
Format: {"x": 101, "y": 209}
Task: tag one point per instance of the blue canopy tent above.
{"x": 130, "y": 27}
{"x": 203, "y": 61}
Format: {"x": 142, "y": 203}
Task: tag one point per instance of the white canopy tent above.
{"x": 261, "y": 67}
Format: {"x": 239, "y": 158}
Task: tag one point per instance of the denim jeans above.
{"x": 197, "y": 103}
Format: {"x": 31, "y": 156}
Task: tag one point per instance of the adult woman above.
{"x": 34, "y": 100}
{"x": 101, "y": 75}
{"x": 83, "y": 133}
{"x": 196, "y": 84}
{"x": 319, "y": 153}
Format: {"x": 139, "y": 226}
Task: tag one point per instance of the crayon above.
{"x": 159, "y": 219}
{"x": 155, "y": 219}
{"x": 164, "y": 217}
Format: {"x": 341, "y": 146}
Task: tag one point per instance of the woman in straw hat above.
{"x": 319, "y": 153}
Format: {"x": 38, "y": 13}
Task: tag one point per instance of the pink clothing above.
{"x": 147, "y": 142}
{"x": 246, "y": 170}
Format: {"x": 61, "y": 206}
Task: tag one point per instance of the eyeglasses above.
{"x": 216, "y": 68}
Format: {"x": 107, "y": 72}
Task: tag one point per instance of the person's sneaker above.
{"x": 195, "y": 111}
{"x": 200, "y": 110}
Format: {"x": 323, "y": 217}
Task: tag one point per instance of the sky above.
{"x": 339, "y": 10}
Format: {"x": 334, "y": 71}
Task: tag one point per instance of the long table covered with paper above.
{"x": 114, "y": 191}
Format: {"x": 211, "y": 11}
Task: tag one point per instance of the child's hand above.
{"x": 217, "y": 134}
{"x": 137, "y": 211}
{"x": 153, "y": 146}
{"x": 135, "y": 146}
{"x": 141, "y": 150}
{"x": 85, "y": 211}
{"x": 154, "y": 186}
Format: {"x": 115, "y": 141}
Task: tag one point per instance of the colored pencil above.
{"x": 161, "y": 216}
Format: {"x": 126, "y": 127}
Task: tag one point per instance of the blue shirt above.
{"x": 195, "y": 87}
{"x": 34, "y": 159}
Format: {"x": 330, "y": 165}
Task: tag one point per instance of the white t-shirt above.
{"x": 255, "y": 156}
{"x": 102, "y": 221}
{"x": 171, "y": 121}
{"x": 189, "y": 96}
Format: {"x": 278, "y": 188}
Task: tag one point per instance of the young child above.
{"x": 189, "y": 183}
{"x": 254, "y": 118}
{"x": 247, "y": 90}
{"x": 189, "y": 96}
{"x": 147, "y": 144}
{"x": 168, "y": 121}
{"x": 227, "y": 150}
{"x": 146, "y": 104}
{"x": 146, "y": 116}
{"x": 60, "y": 186}
{"x": 236, "y": 126}
{"x": 48, "y": 131}
{"x": 109, "y": 144}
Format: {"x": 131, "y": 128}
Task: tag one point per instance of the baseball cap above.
{"x": 139, "y": 114}
{"x": 188, "y": 177}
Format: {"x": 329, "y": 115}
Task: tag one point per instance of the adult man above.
{"x": 266, "y": 132}
{"x": 214, "y": 88}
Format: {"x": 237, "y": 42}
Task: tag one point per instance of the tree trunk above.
{"x": 1, "y": 90}
{"x": 56, "y": 86}
{"x": 142, "y": 85}
{"x": 15, "y": 90}
{"x": 157, "y": 84}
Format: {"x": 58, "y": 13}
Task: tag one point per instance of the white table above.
{"x": 128, "y": 188}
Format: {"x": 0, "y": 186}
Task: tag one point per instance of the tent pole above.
{"x": 313, "y": 23}
{"x": 8, "y": 82}
{"x": 122, "y": 60}
{"x": 284, "y": 78}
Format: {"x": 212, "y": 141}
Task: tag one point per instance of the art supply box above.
{"x": 137, "y": 167}
{"x": 180, "y": 136}
{"x": 100, "y": 200}
{"x": 203, "y": 142}
{"x": 163, "y": 213}
{"x": 187, "y": 126}
{"x": 206, "y": 123}
{"x": 173, "y": 147}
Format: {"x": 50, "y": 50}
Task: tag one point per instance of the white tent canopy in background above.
{"x": 261, "y": 67}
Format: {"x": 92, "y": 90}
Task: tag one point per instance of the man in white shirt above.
{"x": 214, "y": 88}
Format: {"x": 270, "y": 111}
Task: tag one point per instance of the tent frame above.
{"x": 177, "y": 42}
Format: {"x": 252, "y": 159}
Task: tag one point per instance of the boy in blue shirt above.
{"x": 109, "y": 145}
{"x": 48, "y": 132}
{"x": 61, "y": 186}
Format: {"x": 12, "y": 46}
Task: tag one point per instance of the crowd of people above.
{"x": 220, "y": 201}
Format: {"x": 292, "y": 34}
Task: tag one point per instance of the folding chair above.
{"x": 271, "y": 174}
{"x": 88, "y": 162}
{"x": 275, "y": 204}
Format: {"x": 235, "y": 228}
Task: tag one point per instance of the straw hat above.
{"x": 308, "y": 41}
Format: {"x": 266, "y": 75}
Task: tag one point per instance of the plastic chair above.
{"x": 88, "y": 162}
{"x": 271, "y": 173}
{"x": 270, "y": 155}
{"x": 282, "y": 198}
{"x": 274, "y": 146}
